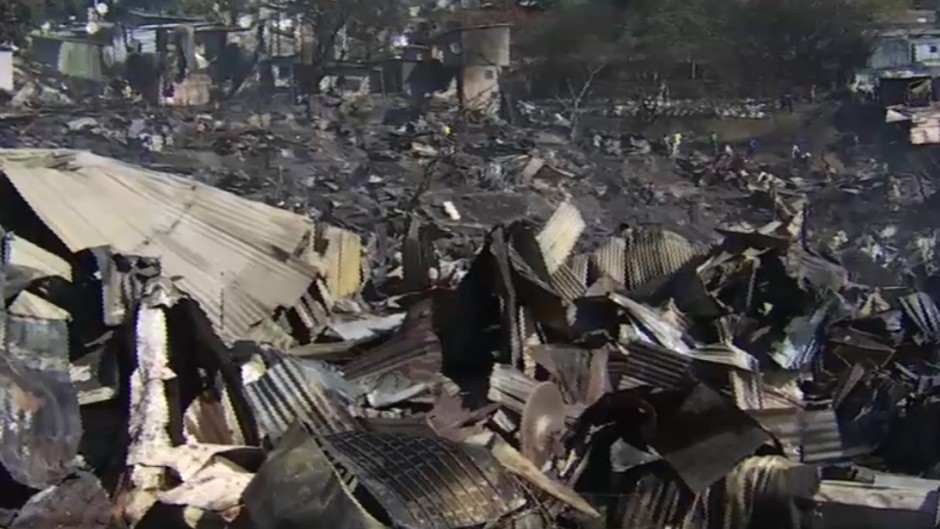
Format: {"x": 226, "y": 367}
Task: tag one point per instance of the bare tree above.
{"x": 578, "y": 90}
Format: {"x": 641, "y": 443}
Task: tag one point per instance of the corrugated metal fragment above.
{"x": 236, "y": 257}
{"x": 42, "y": 427}
{"x": 704, "y": 437}
{"x": 821, "y": 439}
{"x": 509, "y": 387}
{"x": 784, "y": 425}
{"x": 653, "y": 365}
{"x": 811, "y": 436}
{"x": 559, "y": 235}
{"x": 610, "y": 260}
{"x": 415, "y": 343}
{"x": 568, "y": 282}
{"x": 819, "y": 272}
{"x": 652, "y": 327}
{"x": 726, "y": 354}
{"x": 653, "y": 254}
{"x": 30, "y": 305}
{"x": 305, "y": 391}
{"x": 425, "y": 482}
{"x": 25, "y": 253}
{"x": 581, "y": 374}
{"x": 416, "y": 256}
{"x": 922, "y": 310}
{"x": 746, "y": 387}
{"x": 274, "y": 499}
{"x": 339, "y": 257}
{"x": 506, "y": 290}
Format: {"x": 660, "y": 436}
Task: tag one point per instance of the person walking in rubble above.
{"x": 751, "y": 147}
{"x": 667, "y": 143}
{"x": 713, "y": 140}
{"x": 676, "y": 142}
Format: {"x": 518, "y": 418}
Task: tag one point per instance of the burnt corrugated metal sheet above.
{"x": 822, "y": 440}
{"x": 414, "y": 343}
{"x": 569, "y": 282}
{"x": 652, "y": 254}
{"x": 42, "y": 427}
{"x": 510, "y": 387}
{"x": 821, "y": 272}
{"x": 923, "y": 312}
{"x": 610, "y": 260}
{"x": 656, "y": 366}
{"x": 233, "y": 255}
{"x": 25, "y": 253}
{"x": 559, "y": 235}
{"x": 425, "y": 482}
{"x": 704, "y": 436}
{"x": 812, "y": 436}
{"x": 299, "y": 486}
{"x": 291, "y": 391}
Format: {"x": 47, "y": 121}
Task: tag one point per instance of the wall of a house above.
{"x": 890, "y": 53}
{"x": 927, "y": 50}
{"x": 480, "y": 88}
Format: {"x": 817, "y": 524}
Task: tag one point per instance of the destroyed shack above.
{"x": 478, "y": 54}
{"x": 80, "y": 57}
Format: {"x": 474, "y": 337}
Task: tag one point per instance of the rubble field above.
{"x": 367, "y": 313}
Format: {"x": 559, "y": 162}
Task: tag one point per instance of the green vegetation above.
{"x": 649, "y": 48}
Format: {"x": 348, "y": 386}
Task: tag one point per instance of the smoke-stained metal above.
{"x": 426, "y": 482}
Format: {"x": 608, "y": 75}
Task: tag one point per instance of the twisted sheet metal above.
{"x": 425, "y": 482}
{"x": 291, "y": 391}
{"x": 922, "y": 311}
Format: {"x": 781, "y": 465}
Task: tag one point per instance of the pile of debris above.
{"x": 177, "y": 356}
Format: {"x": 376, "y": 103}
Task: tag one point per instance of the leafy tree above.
{"x": 757, "y": 46}
{"x": 803, "y": 41}
{"x": 16, "y": 18}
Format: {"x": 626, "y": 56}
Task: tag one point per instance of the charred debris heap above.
{"x": 177, "y": 356}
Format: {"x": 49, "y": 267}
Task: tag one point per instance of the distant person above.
{"x": 676, "y": 142}
{"x": 729, "y": 151}
{"x": 751, "y": 147}
{"x": 788, "y": 102}
{"x": 713, "y": 141}
{"x": 667, "y": 143}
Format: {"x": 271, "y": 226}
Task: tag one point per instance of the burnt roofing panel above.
{"x": 426, "y": 482}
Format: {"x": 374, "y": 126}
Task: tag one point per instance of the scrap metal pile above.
{"x": 177, "y": 356}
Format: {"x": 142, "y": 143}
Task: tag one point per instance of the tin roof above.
{"x": 233, "y": 255}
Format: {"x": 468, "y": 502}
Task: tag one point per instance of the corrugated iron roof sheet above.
{"x": 559, "y": 235}
{"x": 652, "y": 254}
{"x": 650, "y": 364}
{"x": 233, "y": 255}
{"x": 610, "y": 259}
{"x": 291, "y": 391}
{"x": 25, "y": 253}
{"x": 425, "y": 482}
{"x": 32, "y": 306}
{"x": 813, "y": 436}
